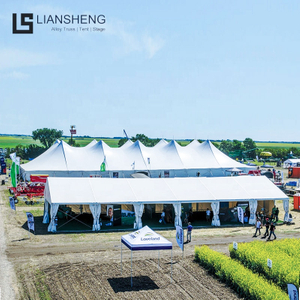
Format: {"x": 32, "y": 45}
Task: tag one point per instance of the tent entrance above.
{"x": 74, "y": 218}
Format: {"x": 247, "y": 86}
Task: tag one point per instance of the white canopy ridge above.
{"x": 145, "y": 239}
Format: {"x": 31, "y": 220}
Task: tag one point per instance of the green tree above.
{"x": 122, "y": 142}
{"x": 225, "y": 146}
{"x": 249, "y": 145}
{"x": 47, "y": 136}
{"x": 145, "y": 140}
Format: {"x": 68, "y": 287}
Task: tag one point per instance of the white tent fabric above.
{"x": 177, "y": 211}
{"x": 76, "y": 191}
{"x": 138, "y": 209}
{"x": 165, "y": 160}
{"x": 145, "y": 239}
{"x": 292, "y": 162}
{"x": 253, "y": 208}
{"x": 216, "y": 209}
{"x": 140, "y": 191}
{"x": 286, "y": 210}
{"x": 53, "y": 212}
{"x": 46, "y": 213}
{"x": 95, "y": 209}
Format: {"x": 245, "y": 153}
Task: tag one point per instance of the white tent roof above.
{"x": 145, "y": 239}
{"x": 132, "y": 156}
{"x": 159, "y": 190}
{"x": 292, "y": 161}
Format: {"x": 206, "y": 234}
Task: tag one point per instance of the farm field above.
{"x": 12, "y": 141}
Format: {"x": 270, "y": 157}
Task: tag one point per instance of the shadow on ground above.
{"x": 139, "y": 283}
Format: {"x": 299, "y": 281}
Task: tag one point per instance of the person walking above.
{"x": 189, "y": 233}
{"x": 258, "y": 226}
{"x": 267, "y": 228}
{"x": 272, "y": 231}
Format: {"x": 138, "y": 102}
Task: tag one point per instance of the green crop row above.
{"x": 245, "y": 282}
{"x": 254, "y": 256}
{"x": 289, "y": 246}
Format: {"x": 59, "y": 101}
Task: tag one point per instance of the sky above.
{"x": 167, "y": 69}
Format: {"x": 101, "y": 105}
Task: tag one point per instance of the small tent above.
{"x": 145, "y": 239}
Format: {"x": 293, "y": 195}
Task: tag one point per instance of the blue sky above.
{"x": 168, "y": 69}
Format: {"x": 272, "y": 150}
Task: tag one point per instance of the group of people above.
{"x": 270, "y": 229}
{"x": 274, "y": 216}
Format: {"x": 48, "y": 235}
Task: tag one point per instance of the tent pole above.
{"x": 171, "y": 262}
{"x": 131, "y": 268}
{"x": 121, "y": 258}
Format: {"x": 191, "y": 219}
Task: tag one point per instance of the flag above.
{"x": 240, "y": 214}
{"x": 133, "y": 165}
{"x": 179, "y": 236}
{"x": 13, "y": 169}
{"x": 30, "y": 221}
{"x": 292, "y": 291}
{"x": 12, "y": 203}
{"x": 103, "y": 165}
{"x": 18, "y": 165}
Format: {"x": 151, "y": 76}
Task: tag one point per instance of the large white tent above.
{"x": 166, "y": 159}
{"x": 140, "y": 191}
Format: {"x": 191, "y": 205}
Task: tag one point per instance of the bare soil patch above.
{"x": 85, "y": 280}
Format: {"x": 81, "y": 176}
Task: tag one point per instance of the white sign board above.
{"x": 235, "y": 245}
{"x": 269, "y": 263}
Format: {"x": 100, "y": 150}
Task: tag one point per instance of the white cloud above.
{"x": 44, "y": 9}
{"x": 152, "y": 45}
{"x": 133, "y": 41}
{"x": 16, "y": 58}
{"x": 16, "y": 75}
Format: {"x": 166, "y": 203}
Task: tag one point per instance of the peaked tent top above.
{"x": 145, "y": 239}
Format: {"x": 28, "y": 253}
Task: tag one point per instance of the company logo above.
{"x": 68, "y": 22}
{"x": 23, "y": 23}
{"x": 149, "y": 234}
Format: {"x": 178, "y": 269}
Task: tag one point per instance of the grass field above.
{"x": 10, "y": 141}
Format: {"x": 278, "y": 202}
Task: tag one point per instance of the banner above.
{"x": 240, "y": 214}
{"x": 30, "y": 221}
{"x": 179, "y": 236}
{"x": 13, "y": 169}
{"x": 12, "y": 203}
{"x": 103, "y": 165}
{"x": 292, "y": 291}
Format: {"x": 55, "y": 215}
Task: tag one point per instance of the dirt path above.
{"x": 7, "y": 275}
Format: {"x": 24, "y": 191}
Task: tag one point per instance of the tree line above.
{"x": 246, "y": 149}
